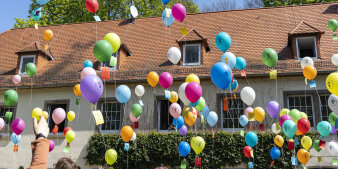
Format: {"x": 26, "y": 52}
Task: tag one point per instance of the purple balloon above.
{"x": 193, "y": 92}
{"x": 179, "y": 12}
{"x": 166, "y": 80}
{"x": 283, "y": 119}
{"x": 51, "y": 145}
{"x": 18, "y": 125}
{"x": 91, "y": 88}
{"x": 183, "y": 130}
{"x": 273, "y": 109}
{"x": 333, "y": 131}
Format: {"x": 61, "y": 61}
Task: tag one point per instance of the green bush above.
{"x": 153, "y": 149}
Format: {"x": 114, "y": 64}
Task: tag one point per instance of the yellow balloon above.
{"x": 304, "y": 115}
{"x": 110, "y": 156}
{"x": 70, "y": 135}
{"x": 192, "y": 78}
{"x": 197, "y": 144}
{"x": 174, "y": 97}
{"x": 189, "y": 117}
{"x": 310, "y": 72}
{"x": 284, "y": 111}
{"x": 259, "y": 114}
{"x": 332, "y": 83}
{"x": 306, "y": 142}
{"x": 45, "y": 114}
{"x": 48, "y": 35}
{"x": 303, "y": 156}
{"x": 77, "y": 90}
{"x": 70, "y": 116}
{"x": 37, "y": 112}
{"x": 152, "y": 79}
{"x": 279, "y": 140}
{"x": 114, "y": 40}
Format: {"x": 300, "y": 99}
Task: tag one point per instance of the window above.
{"x": 108, "y": 64}
{"x": 303, "y": 104}
{"x": 325, "y": 110}
{"x": 192, "y": 54}
{"x": 3, "y": 110}
{"x": 306, "y": 46}
{"x": 111, "y": 112}
{"x": 165, "y": 120}
{"x": 51, "y": 106}
{"x": 235, "y": 110}
{"x": 24, "y": 61}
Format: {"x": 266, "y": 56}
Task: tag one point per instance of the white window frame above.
{"x": 222, "y": 111}
{"x": 121, "y": 112}
{"x": 312, "y": 104}
{"x": 315, "y": 42}
{"x": 111, "y": 68}
{"x": 199, "y": 55}
{"x": 321, "y": 105}
{"x": 21, "y": 61}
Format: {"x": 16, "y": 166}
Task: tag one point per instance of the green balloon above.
{"x": 284, "y": 111}
{"x": 110, "y": 156}
{"x": 295, "y": 115}
{"x": 30, "y": 69}
{"x": 113, "y": 61}
{"x": 136, "y": 110}
{"x": 201, "y": 104}
{"x": 270, "y": 57}
{"x": 10, "y": 97}
{"x": 332, "y": 118}
{"x": 103, "y": 51}
{"x": 333, "y": 25}
{"x": 315, "y": 145}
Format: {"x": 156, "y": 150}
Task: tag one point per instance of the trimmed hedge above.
{"x": 153, "y": 149}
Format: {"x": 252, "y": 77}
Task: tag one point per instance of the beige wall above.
{"x": 84, "y": 127}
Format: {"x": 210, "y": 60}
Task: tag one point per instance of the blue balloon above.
{"x": 194, "y": 104}
{"x": 229, "y": 59}
{"x": 36, "y": 14}
{"x": 184, "y": 148}
{"x": 212, "y": 118}
{"x": 87, "y": 63}
{"x": 275, "y": 153}
{"x": 251, "y": 139}
{"x": 15, "y": 138}
{"x": 240, "y": 63}
{"x": 221, "y": 75}
{"x": 290, "y": 128}
{"x": 122, "y": 93}
{"x": 168, "y": 18}
{"x": 243, "y": 120}
{"x": 42, "y": 2}
{"x": 233, "y": 84}
{"x": 223, "y": 41}
{"x": 205, "y": 112}
{"x": 324, "y": 128}
{"x": 165, "y": 2}
{"x": 178, "y": 123}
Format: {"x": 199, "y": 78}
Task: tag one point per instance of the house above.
{"x": 293, "y": 31}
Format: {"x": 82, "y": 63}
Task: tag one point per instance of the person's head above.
{"x": 66, "y": 163}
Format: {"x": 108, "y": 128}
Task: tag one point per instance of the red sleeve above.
{"x": 40, "y": 149}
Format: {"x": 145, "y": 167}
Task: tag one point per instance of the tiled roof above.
{"x": 148, "y": 40}
{"x": 304, "y": 27}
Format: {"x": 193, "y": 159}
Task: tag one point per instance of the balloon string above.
{"x": 127, "y": 158}
{"x": 276, "y": 89}
{"x": 78, "y": 110}
{"x": 30, "y": 100}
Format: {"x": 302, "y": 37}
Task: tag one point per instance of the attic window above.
{"x": 25, "y": 59}
{"x": 108, "y": 64}
{"x": 306, "y": 46}
{"x": 192, "y": 54}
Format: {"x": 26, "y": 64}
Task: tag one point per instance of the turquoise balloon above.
{"x": 223, "y": 41}
{"x": 36, "y": 14}
{"x": 167, "y": 17}
{"x": 251, "y": 139}
{"x": 290, "y": 128}
{"x": 233, "y": 84}
{"x": 324, "y": 128}
{"x": 87, "y": 63}
{"x": 240, "y": 63}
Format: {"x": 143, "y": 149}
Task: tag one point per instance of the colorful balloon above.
{"x": 37, "y": 113}
{"x": 303, "y": 125}
{"x": 152, "y": 79}
{"x": 200, "y": 104}
{"x": 275, "y": 153}
{"x": 16, "y": 79}
{"x": 134, "y": 137}
{"x": 70, "y": 116}
{"x": 221, "y": 75}
{"x": 332, "y": 118}
{"x": 139, "y": 90}
{"x": 87, "y": 71}
{"x": 283, "y": 119}
{"x": 306, "y": 61}
{"x": 270, "y": 57}
{"x": 87, "y": 63}
{"x": 247, "y": 111}
{"x": 132, "y": 118}
{"x": 110, "y": 156}
{"x": 248, "y": 95}
{"x": 2, "y": 123}
{"x": 316, "y": 146}
{"x": 259, "y": 114}
{"x": 179, "y": 122}
{"x": 223, "y": 41}
{"x": 136, "y": 110}
{"x": 66, "y": 130}
{"x": 174, "y": 55}
{"x": 92, "y": 5}
{"x": 251, "y": 139}
{"x": 51, "y": 145}
{"x": 36, "y": 14}
{"x": 70, "y": 136}
{"x": 193, "y": 92}
{"x": 173, "y": 97}
{"x": 303, "y": 156}
{"x": 334, "y": 59}
{"x": 18, "y": 125}
{"x": 333, "y": 103}
{"x": 229, "y": 58}
{"x": 304, "y": 116}
{"x": 189, "y": 117}
{"x": 175, "y": 110}
{"x": 212, "y": 118}
{"x": 48, "y": 35}
{"x": 197, "y": 144}
{"x": 15, "y": 138}
{"x": 332, "y": 83}
{"x": 234, "y": 85}
{"x": 289, "y": 128}
{"x": 184, "y": 148}
{"x": 42, "y": 2}
{"x": 179, "y": 12}
{"x": 310, "y": 72}
{"x": 127, "y": 133}
{"x": 91, "y": 88}
{"x": 192, "y": 78}
{"x": 240, "y": 63}
{"x": 284, "y": 111}
{"x": 103, "y": 51}
{"x": 243, "y": 120}
{"x": 332, "y": 147}
{"x": 324, "y": 128}
{"x": 183, "y": 130}
{"x": 30, "y": 69}
{"x": 45, "y": 114}
{"x": 273, "y": 109}
{"x": 165, "y": 2}
{"x": 275, "y": 128}
{"x": 181, "y": 94}
{"x": 11, "y": 97}
{"x": 77, "y": 90}
{"x": 279, "y": 140}
{"x": 306, "y": 142}
{"x": 123, "y": 94}
{"x": 295, "y": 115}
{"x": 58, "y": 115}
{"x": 166, "y": 80}
{"x": 114, "y": 41}
{"x": 167, "y": 17}
{"x": 333, "y": 25}
{"x": 205, "y": 112}
{"x": 247, "y": 151}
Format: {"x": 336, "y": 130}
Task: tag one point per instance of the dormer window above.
{"x": 25, "y": 59}
{"x": 192, "y": 54}
{"x": 110, "y": 63}
{"x": 306, "y": 47}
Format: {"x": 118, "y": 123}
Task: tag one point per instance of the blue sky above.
{"x": 19, "y": 9}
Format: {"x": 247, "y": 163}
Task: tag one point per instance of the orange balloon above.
{"x": 152, "y": 79}
{"x": 77, "y": 90}
{"x": 298, "y": 133}
{"x": 127, "y": 133}
{"x": 303, "y": 156}
{"x": 190, "y": 117}
{"x": 310, "y": 72}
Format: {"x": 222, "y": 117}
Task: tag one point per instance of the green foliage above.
{"x": 153, "y": 149}
{"x": 73, "y": 11}
{"x": 269, "y": 3}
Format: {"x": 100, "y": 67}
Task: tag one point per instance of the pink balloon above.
{"x": 2, "y": 123}
{"x": 166, "y": 80}
{"x": 179, "y": 12}
{"x": 87, "y": 71}
{"x": 247, "y": 111}
{"x": 58, "y": 115}
{"x": 16, "y": 79}
{"x": 18, "y": 125}
{"x": 132, "y": 118}
{"x": 283, "y": 119}
{"x": 175, "y": 110}
{"x": 51, "y": 145}
{"x": 193, "y": 91}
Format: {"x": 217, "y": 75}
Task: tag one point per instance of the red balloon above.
{"x": 247, "y": 151}
{"x": 66, "y": 130}
{"x": 303, "y": 125}
{"x": 92, "y": 5}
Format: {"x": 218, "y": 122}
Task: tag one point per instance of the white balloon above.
{"x": 134, "y": 137}
{"x": 332, "y": 147}
{"x": 87, "y": 71}
{"x": 133, "y": 11}
{"x": 181, "y": 94}
{"x": 229, "y": 58}
{"x": 333, "y": 103}
{"x": 139, "y": 90}
{"x": 174, "y": 55}
{"x": 334, "y": 59}
{"x": 306, "y": 61}
{"x": 274, "y": 128}
{"x": 248, "y": 95}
